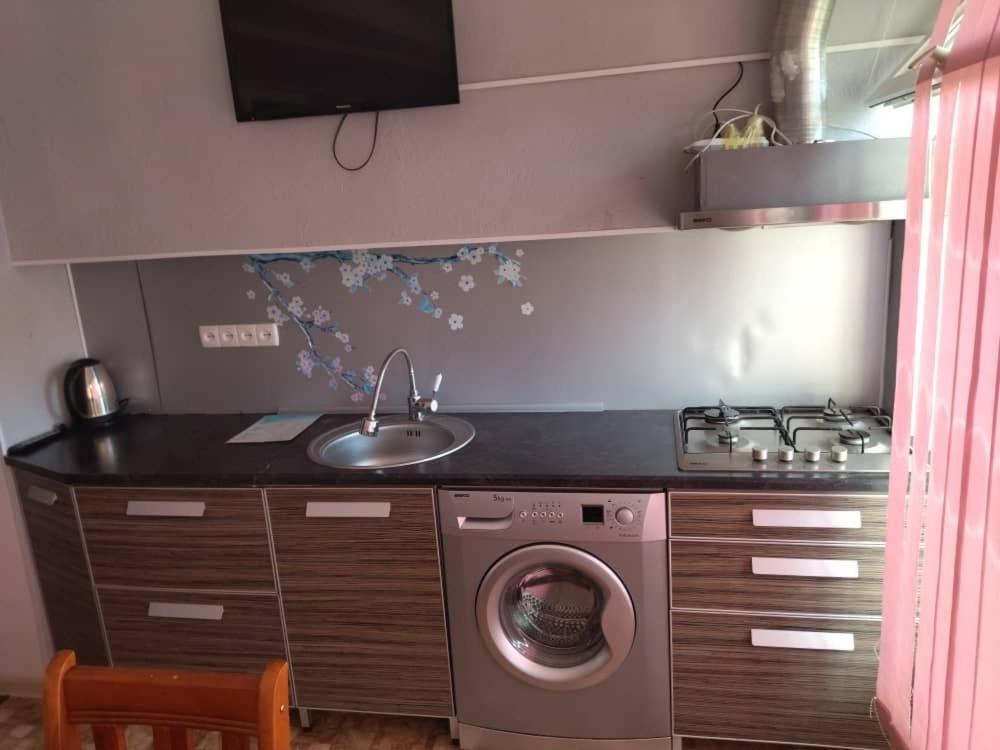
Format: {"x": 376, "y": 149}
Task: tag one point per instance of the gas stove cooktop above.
{"x": 791, "y": 438}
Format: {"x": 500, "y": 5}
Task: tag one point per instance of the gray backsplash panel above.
{"x": 646, "y": 321}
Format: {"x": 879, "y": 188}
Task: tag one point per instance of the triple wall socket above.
{"x": 238, "y": 334}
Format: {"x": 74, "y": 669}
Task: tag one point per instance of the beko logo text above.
{"x": 503, "y": 498}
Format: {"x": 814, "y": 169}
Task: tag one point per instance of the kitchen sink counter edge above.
{"x": 612, "y": 449}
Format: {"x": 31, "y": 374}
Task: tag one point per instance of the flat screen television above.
{"x": 295, "y": 58}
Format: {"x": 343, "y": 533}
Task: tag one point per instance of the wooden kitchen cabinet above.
{"x": 221, "y": 632}
{"x": 361, "y": 586}
{"x": 725, "y": 686}
{"x": 61, "y": 563}
{"x": 192, "y": 538}
{"x": 777, "y": 577}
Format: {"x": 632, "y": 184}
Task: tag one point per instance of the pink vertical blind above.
{"x": 939, "y": 670}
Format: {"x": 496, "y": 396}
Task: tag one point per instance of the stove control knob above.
{"x": 839, "y": 454}
{"x": 786, "y": 454}
{"x": 812, "y": 455}
{"x": 759, "y": 453}
{"x": 624, "y": 516}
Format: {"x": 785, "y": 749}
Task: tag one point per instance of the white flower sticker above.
{"x": 446, "y": 266}
{"x": 285, "y": 278}
{"x": 342, "y": 337}
{"x": 307, "y": 264}
{"x": 350, "y": 276}
{"x": 527, "y": 308}
{"x": 509, "y": 270}
{"x": 434, "y": 296}
{"x": 519, "y": 253}
{"x": 476, "y": 255}
{"x": 466, "y": 283}
{"x": 405, "y": 299}
{"x": 438, "y": 312}
{"x": 414, "y": 284}
{"x": 295, "y": 307}
{"x": 305, "y": 363}
{"x": 251, "y": 294}
{"x": 455, "y": 322}
{"x": 249, "y": 268}
{"x": 274, "y": 313}
{"x": 320, "y": 316}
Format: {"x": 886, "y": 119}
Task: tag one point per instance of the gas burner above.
{"x": 722, "y": 414}
{"x": 818, "y": 437}
{"x": 727, "y": 435}
{"x": 855, "y": 436}
{"x": 834, "y": 414}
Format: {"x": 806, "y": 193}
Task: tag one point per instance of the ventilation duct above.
{"x": 798, "y": 68}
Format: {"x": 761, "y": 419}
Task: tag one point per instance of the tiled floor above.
{"x": 21, "y": 729}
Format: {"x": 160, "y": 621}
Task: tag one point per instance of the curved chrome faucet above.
{"x": 418, "y": 407}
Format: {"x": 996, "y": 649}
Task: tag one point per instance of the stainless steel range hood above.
{"x": 815, "y": 183}
{"x": 811, "y": 182}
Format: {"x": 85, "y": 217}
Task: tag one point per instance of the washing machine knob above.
{"x": 624, "y": 516}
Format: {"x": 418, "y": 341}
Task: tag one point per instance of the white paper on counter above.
{"x": 275, "y": 428}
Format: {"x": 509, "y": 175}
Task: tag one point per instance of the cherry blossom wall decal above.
{"x": 358, "y": 270}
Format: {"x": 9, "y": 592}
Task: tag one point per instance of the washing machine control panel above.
{"x": 555, "y": 515}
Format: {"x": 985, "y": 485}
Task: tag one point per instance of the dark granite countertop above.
{"x": 615, "y": 449}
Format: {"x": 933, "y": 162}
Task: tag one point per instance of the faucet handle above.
{"x": 421, "y": 407}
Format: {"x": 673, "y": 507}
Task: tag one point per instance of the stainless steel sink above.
{"x": 400, "y": 441}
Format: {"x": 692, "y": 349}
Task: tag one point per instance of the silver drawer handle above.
{"x": 348, "y": 510}
{"x": 803, "y": 639}
{"x": 807, "y": 519}
{"x": 41, "y": 495}
{"x": 182, "y": 611}
{"x": 165, "y": 508}
{"x": 803, "y": 567}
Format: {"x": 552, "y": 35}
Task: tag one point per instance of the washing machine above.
{"x": 558, "y": 622}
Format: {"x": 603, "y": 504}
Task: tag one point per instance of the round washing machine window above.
{"x": 555, "y": 617}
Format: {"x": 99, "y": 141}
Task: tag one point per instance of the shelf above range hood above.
{"x": 816, "y": 183}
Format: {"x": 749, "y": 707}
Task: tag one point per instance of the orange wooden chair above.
{"x": 172, "y": 703}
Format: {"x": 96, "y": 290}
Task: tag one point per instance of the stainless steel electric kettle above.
{"x": 90, "y": 393}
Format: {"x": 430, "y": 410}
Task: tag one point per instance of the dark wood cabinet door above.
{"x": 790, "y": 578}
{"x": 777, "y": 679}
{"x": 361, "y": 586}
{"x": 188, "y": 630}
{"x": 61, "y": 562}
{"x": 203, "y": 538}
{"x": 784, "y": 516}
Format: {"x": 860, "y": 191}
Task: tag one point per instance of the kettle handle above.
{"x": 72, "y": 373}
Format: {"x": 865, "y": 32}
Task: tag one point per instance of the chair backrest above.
{"x": 171, "y": 703}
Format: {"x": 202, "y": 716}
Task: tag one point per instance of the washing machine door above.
{"x": 555, "y": 617}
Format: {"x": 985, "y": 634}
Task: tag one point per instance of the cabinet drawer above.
{"x": 361, "y": 589}
{"x": 791, "y": 517}
{"x": 798, "y": 685}
{"x": 183, "y": 538}
{"x": 776, "y": 577}
{"x": 224, "y": 632}
{"x": 61, "y": 563}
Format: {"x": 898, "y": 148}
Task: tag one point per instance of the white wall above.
{"x": 39, "y": 334}
{"x": 119, "y": 137}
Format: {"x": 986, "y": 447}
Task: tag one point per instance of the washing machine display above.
{"x": 556, "y": 617}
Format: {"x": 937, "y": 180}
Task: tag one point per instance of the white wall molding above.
{"x": 498, "y": 239}
{"x": 904, "y": 41}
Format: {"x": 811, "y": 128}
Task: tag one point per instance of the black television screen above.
{"x": 292, "y": 58}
